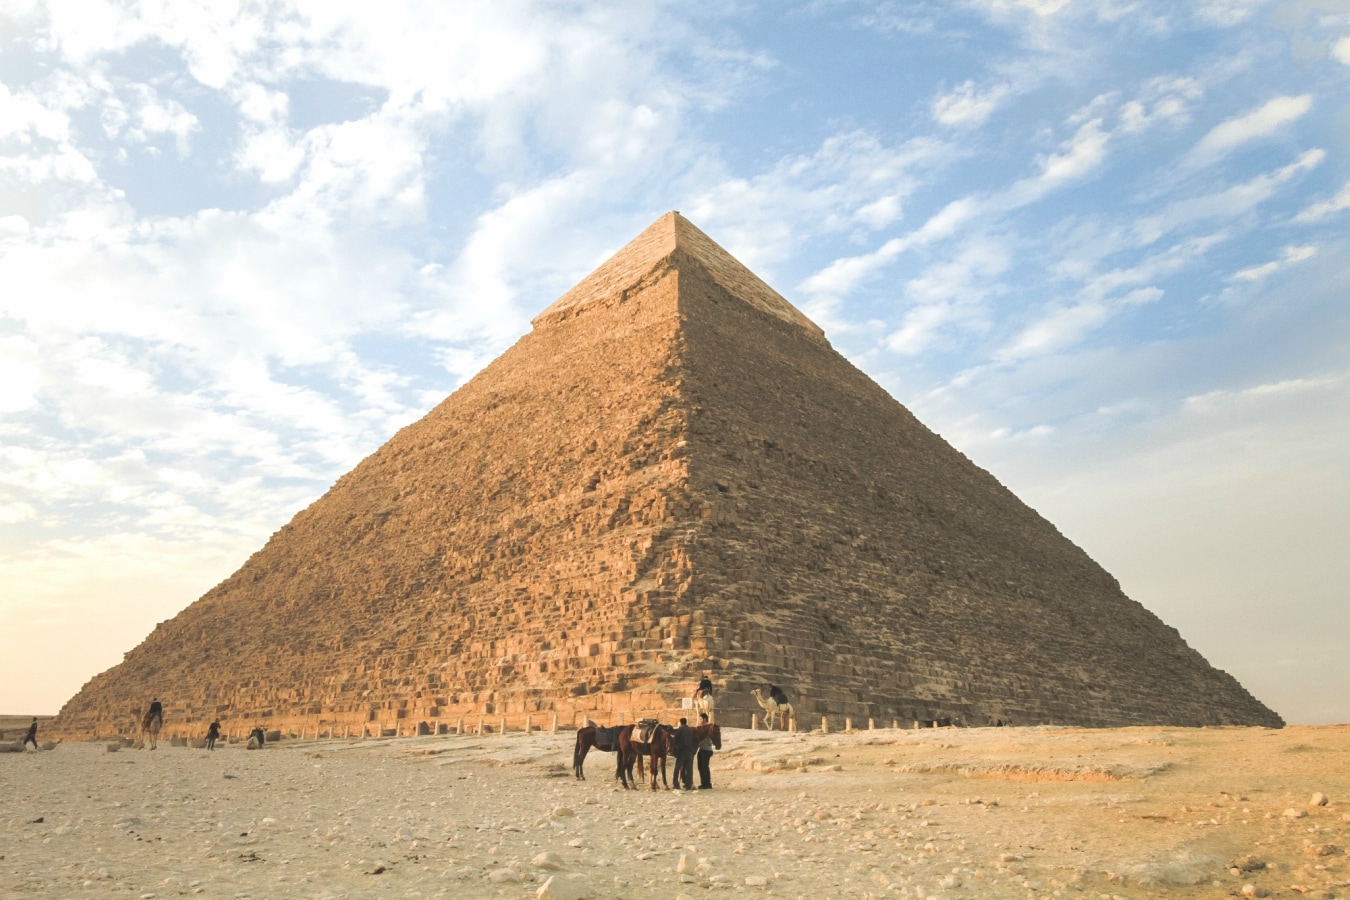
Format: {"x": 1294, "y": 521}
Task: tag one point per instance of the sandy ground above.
{"x": 1010, "y": 812}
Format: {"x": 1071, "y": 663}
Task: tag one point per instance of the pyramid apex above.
{"x": 671, "y": 235}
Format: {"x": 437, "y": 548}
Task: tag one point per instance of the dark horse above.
{"x": 606, "y": 739}
{"x": 658, "y": 746}
{"x": 711, "y": 730}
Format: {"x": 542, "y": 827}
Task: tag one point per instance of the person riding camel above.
{"x": 705, "y": 687}
{"x": 777, "y": 696}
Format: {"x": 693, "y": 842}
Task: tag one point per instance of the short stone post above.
{"x": 895, "y": 724}
{"x": 529, "y": 724}
{"x": 459, "y": 725}
{"x": 824, "y": 725}
{"x": 480, "y": 725}
{"x": 871, "y": 724}
{"x": 848, "y": 724}
{"x": 754, "y": 722}
{"x": 503, "y": 725}
{"x": 792, "y": 724}
{"x": 553, "y": 729}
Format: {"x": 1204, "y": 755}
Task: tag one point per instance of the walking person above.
{"x": 212, "y": 735}
{"x": 705, "y": 752}
{"x": 31, "y": 736}
{"x": 685, "y": 744}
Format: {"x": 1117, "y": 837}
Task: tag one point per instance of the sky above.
{"x": 1103, "y": 248}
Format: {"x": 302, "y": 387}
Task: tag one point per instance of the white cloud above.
{"x": 1226, "y": 204}
{"x": 852, "y": 180}
{"x": 1291, "y": 255}
{"x": 967, "y": 105}
{"x": 1036, "y": 7}
{"x": 1083, "y": 153}
{"x": 950, "y": 295}
{"x": 1268, "y": 119}
{"x": 1167, "y": 100}
{"x": 1341, "y": 50}
{"x": 1228, "y": 13}
{"x": 19, "y": 373}
{"x": 1323, "y": 208}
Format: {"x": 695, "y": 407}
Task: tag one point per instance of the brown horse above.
{"x": 632, "y": 749}
{"x": 606, "y": 739}
{"x": 662, "y": 745}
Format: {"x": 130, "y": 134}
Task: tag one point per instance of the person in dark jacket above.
{"x": 705, "y": 752}
{"x": 31, "y": 736}
{"x": 705, "y": 687}
{"x": 685, "y": 744}
{"x": 212, "y": 735}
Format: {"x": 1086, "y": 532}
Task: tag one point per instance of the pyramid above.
{"x": 672, "y": 474}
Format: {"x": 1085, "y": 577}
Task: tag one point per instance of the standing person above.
{"x": 212, "y": 735}
{"x": 31, "y": 736}
{"x": 705, "y": 752}
{"x": 685, "y": 743}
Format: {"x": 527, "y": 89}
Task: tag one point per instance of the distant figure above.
{"x": 212, "y": 734}
{"x": 685, "y": 744}
{"x": 256, "y": 738}
{"x": 31, "y": 736}
{"x": 152, "y": 723}
{"x": 703, "y": 695}
{"x": 705, "y": 752}
{"x": 777, "y": 696}
{"x": 705, "y": 687}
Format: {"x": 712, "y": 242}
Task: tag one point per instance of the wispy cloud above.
{"x": 1323, "y": 208}
{"x": 1268, "y": 119}
{"x": 968, "y": 105}
{"x": 1227, "y": 203}
{"x": 1289, "y": 257}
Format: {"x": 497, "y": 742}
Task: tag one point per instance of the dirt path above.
{"x": 1014, "y": 812}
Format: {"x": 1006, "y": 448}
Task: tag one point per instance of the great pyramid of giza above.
{"x": 673, "y": 473}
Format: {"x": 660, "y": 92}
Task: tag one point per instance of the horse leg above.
{"x": 579, "y": 758}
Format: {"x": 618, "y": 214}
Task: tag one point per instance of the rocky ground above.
{"x": 951, "y": 813}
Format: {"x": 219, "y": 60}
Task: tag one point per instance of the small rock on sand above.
{"x": 547, "y": 860}
{"x": 1318, "y": 799}
{"x": 565, "y": 887}
{"x": 504, "y": 876}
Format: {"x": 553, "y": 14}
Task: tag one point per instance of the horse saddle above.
{"x": 645, "y": 729}
{"x": 607, "y": 738}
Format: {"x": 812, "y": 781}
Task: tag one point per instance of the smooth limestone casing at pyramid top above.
{"x": 672, "y": 473}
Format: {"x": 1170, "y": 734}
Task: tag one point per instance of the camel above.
{"x": 772, "y": 709}
{"x": 150, "y": 726}
{"x": 704, "y": 703}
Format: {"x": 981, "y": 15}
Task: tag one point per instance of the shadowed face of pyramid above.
{"x": 673, "y": 474}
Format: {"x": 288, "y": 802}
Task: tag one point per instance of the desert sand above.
{"x": 949, "y": 813}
